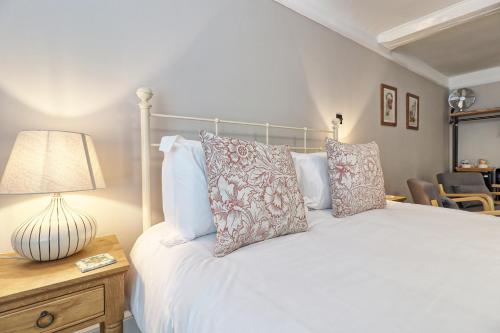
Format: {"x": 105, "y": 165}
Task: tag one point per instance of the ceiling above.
{"x": 377, "y": 16}
{"x": 451, "y": 42}
{"x": 465, "y": 48}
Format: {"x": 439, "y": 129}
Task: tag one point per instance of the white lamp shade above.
{"x": 51, "y": 162}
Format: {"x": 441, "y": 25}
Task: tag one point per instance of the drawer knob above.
{"x": 45, "y": 320}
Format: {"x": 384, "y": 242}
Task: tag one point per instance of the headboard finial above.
{"x": 144, "y": 94}
{"x": 336, "y": 122}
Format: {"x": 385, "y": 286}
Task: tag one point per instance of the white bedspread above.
{"x": 407, "y": 268}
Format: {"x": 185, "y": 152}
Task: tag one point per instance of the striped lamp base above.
{"x": 57, "y": 232}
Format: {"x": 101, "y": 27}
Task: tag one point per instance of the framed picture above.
{"x": 388, "y": 105}
{"x": 412, "y": 111}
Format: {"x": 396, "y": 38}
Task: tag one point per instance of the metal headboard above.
{"x": 145, "y": 95}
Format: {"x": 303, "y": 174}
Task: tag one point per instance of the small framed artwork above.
{"x": 388, "y": 105}
{"x": 412, "y": 111}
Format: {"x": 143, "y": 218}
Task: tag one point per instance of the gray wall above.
{"x": 75, "y": 65}
{"x": 481, "y": 139}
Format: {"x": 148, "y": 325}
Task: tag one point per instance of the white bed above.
{"x": 407, "y": 268}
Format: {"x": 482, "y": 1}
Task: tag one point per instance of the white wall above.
{"x": 481, "y": 139}
{"x": 75, "y": 65}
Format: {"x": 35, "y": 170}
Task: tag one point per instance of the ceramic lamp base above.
{"x": 57, "y": 232}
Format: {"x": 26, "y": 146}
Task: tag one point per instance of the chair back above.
{"x": 472, "y": 180}
{"x": 424, "y": 193}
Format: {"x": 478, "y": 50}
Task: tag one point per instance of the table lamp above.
{"x": 52, "y": 162}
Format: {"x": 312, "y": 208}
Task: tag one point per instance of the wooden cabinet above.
{"x": 55, "y": 314}
{"x": 397, "y": 198}
{"x": 56, "y": 297}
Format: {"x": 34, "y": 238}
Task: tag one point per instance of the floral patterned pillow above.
{"x": 356, "y": 178}
{"x": 253, "y": 192}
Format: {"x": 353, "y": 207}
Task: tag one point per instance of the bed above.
{"x": 406, "y": 268}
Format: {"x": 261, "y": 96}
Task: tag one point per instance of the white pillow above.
{"x": 185, "y": 190}
{"x": 312, "y": 174}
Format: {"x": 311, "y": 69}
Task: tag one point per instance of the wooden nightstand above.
{"x": 397, "y": 198}
{"x": 56, "y": 297}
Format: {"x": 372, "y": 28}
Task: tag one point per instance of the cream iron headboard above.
{"x": 145, "y": 95}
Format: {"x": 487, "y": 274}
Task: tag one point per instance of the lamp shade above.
{"x": 51, "y": 162}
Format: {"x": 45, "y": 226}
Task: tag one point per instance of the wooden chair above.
{"x": 462, "y": 187}
{"x": 425, "y": 193}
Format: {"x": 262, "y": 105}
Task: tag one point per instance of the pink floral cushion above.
{"x": 356, "y": 178}
{"x": 253, "y": 192}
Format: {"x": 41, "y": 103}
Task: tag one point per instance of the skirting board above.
{"x": 129, "y": 325}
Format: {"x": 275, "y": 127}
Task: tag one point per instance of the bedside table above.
{"x": 397, "y": 198}
{"x": 56, "y": 297}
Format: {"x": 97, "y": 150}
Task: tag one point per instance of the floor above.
{"x": 129, "y": 326}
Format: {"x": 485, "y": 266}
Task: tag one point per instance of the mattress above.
{"x": 406, "y": 268}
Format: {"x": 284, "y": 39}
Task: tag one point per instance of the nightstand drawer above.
{"x": 55, "y": 314}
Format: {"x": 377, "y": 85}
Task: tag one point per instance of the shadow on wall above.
{"x": 239, "y": 75}
{"x": 66, "y": 67}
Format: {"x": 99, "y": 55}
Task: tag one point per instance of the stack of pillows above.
{"x": 248, "y": 192}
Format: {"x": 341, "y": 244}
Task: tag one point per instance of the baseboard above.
{"x": 129, "y": 325}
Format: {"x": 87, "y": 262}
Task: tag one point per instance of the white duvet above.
{"x": 407, "y": 268}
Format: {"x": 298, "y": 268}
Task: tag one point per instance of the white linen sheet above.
{"x": 406, "y": 268}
